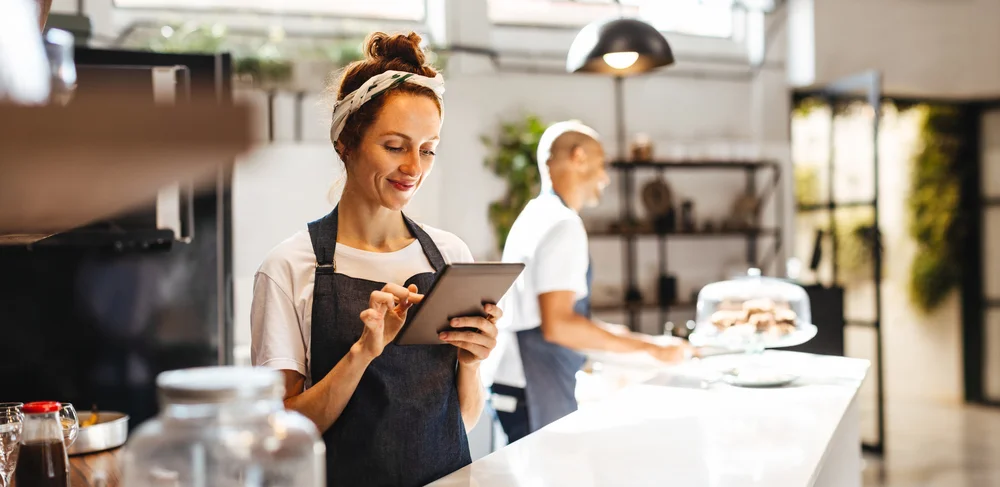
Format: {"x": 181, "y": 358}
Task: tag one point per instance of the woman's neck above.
{"x": 367, "y": 225}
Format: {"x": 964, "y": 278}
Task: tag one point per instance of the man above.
{"x": 548, "y": 308}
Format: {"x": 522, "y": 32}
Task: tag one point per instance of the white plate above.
{"x": 754, "y": 378}
{"x": 707, "y": 335}
{"x": 752, "y": 370}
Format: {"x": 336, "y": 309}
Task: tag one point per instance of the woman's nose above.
{"x": 411, "y": 166}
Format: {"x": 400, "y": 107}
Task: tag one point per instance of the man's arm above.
{"x": 559, "y": 270}
{"x": 43, "y": 12}
{"x": 561, "y": 325}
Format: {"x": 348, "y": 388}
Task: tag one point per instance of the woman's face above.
{"x": 396, "y": 153}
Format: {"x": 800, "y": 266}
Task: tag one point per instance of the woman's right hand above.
{"x": 385, "y": 316}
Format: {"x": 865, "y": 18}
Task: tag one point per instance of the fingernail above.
{"x": 443, "y": 336}
{"x": 454, "y": 322}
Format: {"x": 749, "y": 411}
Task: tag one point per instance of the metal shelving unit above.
{"x": 627, "y": 169}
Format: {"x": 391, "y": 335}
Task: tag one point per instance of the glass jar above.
{"x": 220, "y": 427}
{"x": 42, "y": 461}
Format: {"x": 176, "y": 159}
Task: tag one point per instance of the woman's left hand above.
{"x": 476, "y": 336}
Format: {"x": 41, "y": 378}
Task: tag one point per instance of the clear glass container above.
{"x": 762, "y": 308}
{"x": 221, "y": 427}
{"x": 42, "y": 460}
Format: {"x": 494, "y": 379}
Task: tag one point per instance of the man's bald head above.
{"x": 559, "y": 141}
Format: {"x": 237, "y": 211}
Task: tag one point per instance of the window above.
{"x": 696, "y": 17}
{"x": 411, "y": 10}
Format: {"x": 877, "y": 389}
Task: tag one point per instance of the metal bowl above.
{"x": 110, "y": 432}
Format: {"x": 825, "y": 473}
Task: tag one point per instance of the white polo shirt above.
{"x": 551, "y": 241}
{"x": 281, "y": 313}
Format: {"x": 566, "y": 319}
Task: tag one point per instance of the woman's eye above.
{"x": 393, "y": 149}
{"x": 429, "y": 153}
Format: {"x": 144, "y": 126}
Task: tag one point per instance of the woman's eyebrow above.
{"x": 407, "y": 137}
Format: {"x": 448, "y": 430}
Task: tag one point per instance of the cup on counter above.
{"x": 11, "y": 420}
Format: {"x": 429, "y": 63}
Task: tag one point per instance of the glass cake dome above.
{"x": 753, "y": 311}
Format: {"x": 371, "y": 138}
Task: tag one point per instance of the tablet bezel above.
{"x": 413, "y": 333}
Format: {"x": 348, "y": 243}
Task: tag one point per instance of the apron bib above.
{"x": 403, "y": 425}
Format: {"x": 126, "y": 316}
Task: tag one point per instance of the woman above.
{"x": 329, "y": 301}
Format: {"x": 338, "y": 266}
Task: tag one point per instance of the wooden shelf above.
{"x": 641, "y": 307}
{"x": 695, "y": 235}
{"x": 834, "y": 205}
{"x": 63, "y": 167}
{"x": 693, "y": 164}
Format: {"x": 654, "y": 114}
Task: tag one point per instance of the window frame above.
{"x": 734, "y": 20}
{"x": 160, "y": 9}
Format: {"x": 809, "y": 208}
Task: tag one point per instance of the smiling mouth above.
{"x": 402, "y": 185}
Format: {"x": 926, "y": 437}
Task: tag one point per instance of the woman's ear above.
{"x": 341, "y": 150}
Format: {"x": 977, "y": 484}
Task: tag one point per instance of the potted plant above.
{"x": 513, "y": 158}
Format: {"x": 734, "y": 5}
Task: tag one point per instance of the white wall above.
{"x": 940, "y": 48}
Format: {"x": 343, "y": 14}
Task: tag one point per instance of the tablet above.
{"x": 460, "y": 290}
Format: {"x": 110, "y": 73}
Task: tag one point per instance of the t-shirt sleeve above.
{"x": 453, "y": 249}
{"x": 561, "y": 259}
{"x": 462, "y": 253}
{"x": 276, "y": 339}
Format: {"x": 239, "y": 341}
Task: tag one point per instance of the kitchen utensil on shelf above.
{"x": 109, "y": 431}
{"x": 11, "y": 421}
{"x": 642, "y": 148}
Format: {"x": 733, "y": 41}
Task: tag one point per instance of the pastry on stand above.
{"x": 751, "y": 314}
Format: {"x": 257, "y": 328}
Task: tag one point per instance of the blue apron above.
{"x": 403, "y": 425}
{"x": 550, "y": 370}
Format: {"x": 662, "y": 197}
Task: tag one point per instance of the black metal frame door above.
{"x": 865, "y": 87}
{"x": 977, "y": 203}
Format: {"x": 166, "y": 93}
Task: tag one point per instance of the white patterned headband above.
{"x": 375, "y": 86}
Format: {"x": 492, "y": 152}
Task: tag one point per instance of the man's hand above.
{"x": 671, "y": 354}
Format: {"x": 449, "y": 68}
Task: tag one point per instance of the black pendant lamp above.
{"x": 620, "y": 47}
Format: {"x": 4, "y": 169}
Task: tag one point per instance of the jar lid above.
{"x": 208, "y": 385}
{"x": 41, "y": 407}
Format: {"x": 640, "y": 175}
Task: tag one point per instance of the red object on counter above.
{"x": 41, "y": 407}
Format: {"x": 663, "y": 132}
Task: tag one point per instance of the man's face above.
{"x": 594, "y": 177}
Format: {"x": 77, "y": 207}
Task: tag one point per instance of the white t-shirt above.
{"x": 551, "y": 241}
{"x": 281, "y": 313}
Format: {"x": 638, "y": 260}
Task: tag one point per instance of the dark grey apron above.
{"x": 550, "y": 370}
{"x": 403, "y": 425}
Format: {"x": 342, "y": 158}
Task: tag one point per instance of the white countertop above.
{"x": 675, "y": 429}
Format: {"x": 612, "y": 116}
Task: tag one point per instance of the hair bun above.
{"x": 406, "y": 48}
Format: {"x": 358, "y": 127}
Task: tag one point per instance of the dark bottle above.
{"x": 42, "y": 461}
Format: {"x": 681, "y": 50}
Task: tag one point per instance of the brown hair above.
{"x": 383, "y": 52}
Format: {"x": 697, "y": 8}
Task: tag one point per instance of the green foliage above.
{"x": 268, "y": 59}
{"x": 185, "y": 38}
{"x": 856, "y": 241}
{"x": 934, "y": 206}
{"x": 805, "y": 106}
{"x": 513, "y": 158}
{"x": 806, "y": 184}
{"x": 264, "y": 70}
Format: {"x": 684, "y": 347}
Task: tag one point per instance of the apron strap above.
{"x": 426, "y": 243}
{"x": 323, "y": 233}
